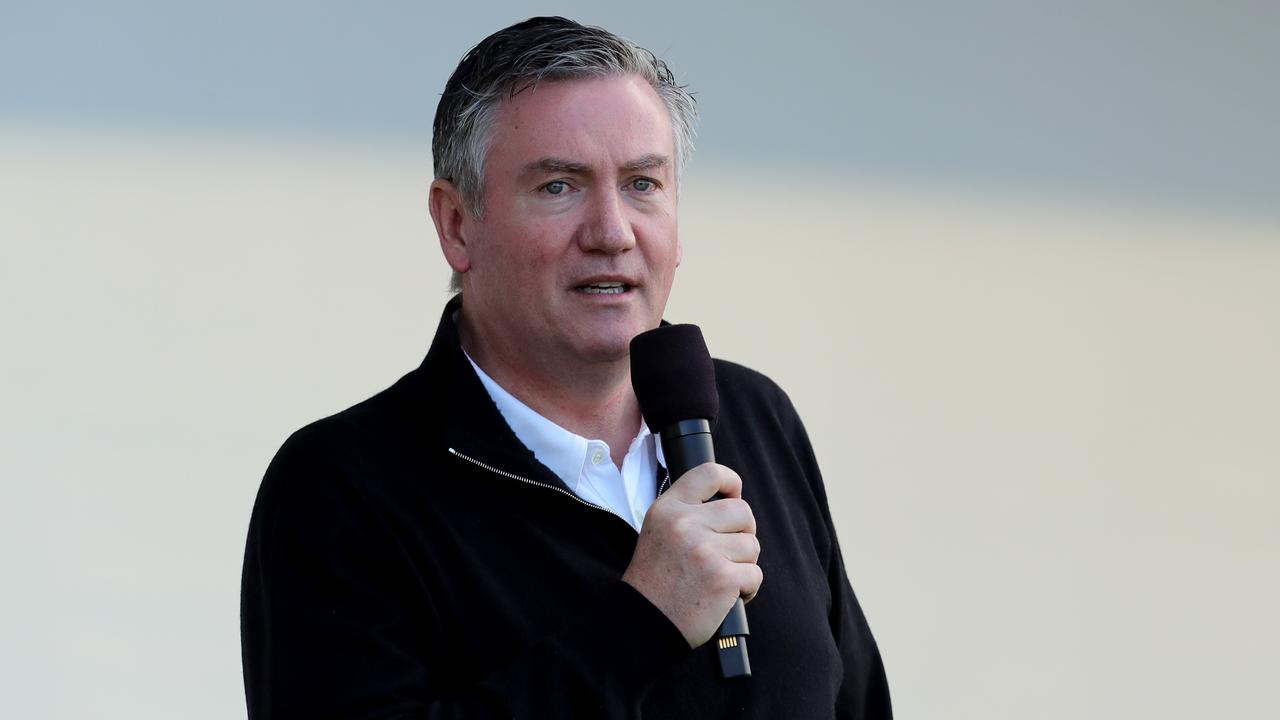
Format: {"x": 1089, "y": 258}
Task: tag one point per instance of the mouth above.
{"x": 604, "y": 287}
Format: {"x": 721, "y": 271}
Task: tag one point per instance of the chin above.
{"x": 607, "y": 352}
{"x": 607, "y": 347}
{"x": 608, "y": 338}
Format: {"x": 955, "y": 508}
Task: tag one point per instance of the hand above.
{"x": 694, "y": 558}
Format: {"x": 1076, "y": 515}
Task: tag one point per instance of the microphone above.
{"x": 675, "y": 382}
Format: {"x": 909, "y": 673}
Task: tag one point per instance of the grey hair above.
{"x": 517, "y": 58}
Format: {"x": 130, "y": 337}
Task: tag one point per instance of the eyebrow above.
{"x": 646, "y": 162}
{"x": 551, "y": 165}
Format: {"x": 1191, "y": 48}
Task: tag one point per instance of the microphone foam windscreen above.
{"x": 673, "y": 376}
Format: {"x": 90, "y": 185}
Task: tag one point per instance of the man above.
{"x": 493, "y": 536}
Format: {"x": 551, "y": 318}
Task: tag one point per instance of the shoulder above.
{"x": 747, "y": 393}
{"x": 338, "y": 449}
{"x": 755, "y": 411}
{"x": 342, "y": 432}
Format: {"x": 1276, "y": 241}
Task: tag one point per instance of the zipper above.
{"x": 527, "y": 481}
{"x": 666, "y": 480}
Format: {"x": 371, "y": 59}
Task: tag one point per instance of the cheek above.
{"x": 669, "y": 247}
{"x": 544, "y": 255}
{"x": 529, "y": 261}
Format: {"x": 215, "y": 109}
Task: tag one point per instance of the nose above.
{"x": 606, "y": 228}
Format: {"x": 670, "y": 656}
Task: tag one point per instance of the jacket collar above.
{"x": 467, "y": 419}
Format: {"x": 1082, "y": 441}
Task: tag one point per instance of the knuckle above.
{"x": 742, "y": 515}
{"x": 660, "y": 510}
{"x": 682, "y": 527}
{"x": 704, "y": 557}
{"x": 726, "y": 480}
{"x": 753, "y": 588}
{"x": 724, "y": 578}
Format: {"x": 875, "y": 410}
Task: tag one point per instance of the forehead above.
{"x": 597, "y": 121}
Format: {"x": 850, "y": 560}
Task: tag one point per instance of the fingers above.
{"x": 739, "y": 547}
{"x": 705, "y": 481}
{"x": 753, "y": 579}
{"x": 729, "y": 515}
{"x": 730, "y": 565}
{"x": 694, "y": 557}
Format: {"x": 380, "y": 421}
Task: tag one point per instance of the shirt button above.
{"x": 597, "y": 457}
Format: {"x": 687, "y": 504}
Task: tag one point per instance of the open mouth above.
{"x": 603, "y": 288}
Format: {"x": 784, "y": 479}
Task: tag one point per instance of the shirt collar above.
{"x": 562, "y": 451}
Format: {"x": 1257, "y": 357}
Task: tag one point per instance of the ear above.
{"x": 449, "y": 213}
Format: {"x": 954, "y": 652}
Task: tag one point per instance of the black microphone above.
{"x": 675, "y": 382}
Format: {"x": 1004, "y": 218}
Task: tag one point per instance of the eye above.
{"x": 644, "y": 185}
{"x": 556, "y": 187}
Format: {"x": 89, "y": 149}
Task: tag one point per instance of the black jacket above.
{"x": 409, "y": 558}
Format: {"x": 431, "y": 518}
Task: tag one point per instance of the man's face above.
{"x": 578, "y": 246}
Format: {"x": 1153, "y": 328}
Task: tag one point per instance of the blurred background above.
{"x": 1017, "y": 263}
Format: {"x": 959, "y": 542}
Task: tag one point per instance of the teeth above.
{"x": 604, "y": 288}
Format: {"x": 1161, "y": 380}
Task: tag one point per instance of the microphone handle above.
{"x": 686, "y": 445}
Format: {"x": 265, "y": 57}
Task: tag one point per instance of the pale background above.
{"x": 1018, "y": 265}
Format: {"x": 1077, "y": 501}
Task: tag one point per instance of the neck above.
{"x": 594, "y": 400}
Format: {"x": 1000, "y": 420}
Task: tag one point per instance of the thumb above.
{"x": 703, "y": 483}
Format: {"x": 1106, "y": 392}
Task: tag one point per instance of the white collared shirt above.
{"x": 586, "y": 466}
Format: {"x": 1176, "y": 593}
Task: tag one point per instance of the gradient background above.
{"x": 1017, "y": 263}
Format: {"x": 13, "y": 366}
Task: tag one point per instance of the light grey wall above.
{"x": 1154, "y": 101}
{"x": 1047, "y": 430}
{"x": 1018, "y": 262}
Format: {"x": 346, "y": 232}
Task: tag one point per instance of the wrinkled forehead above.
{"x": 596, "y": 120}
